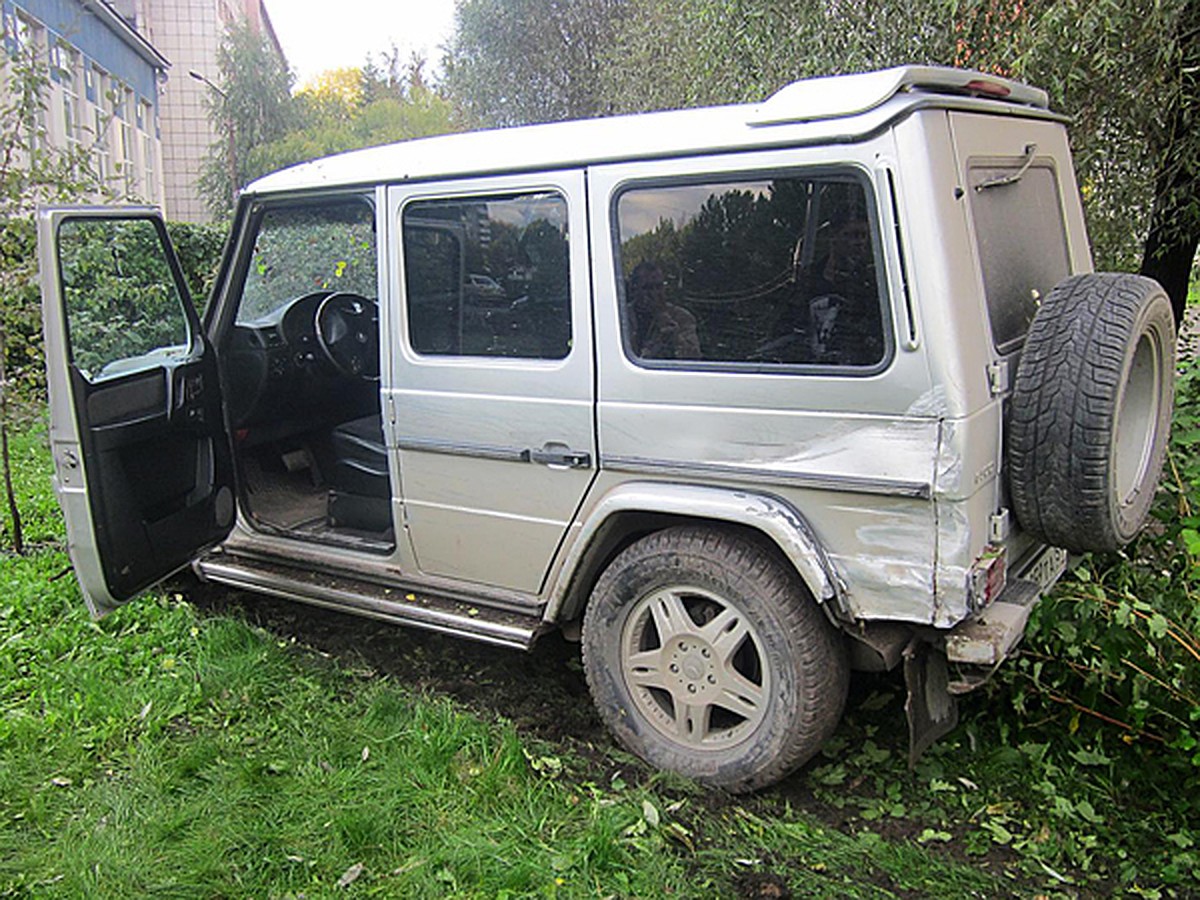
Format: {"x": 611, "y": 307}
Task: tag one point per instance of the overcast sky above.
{"x": 318, "y": 34}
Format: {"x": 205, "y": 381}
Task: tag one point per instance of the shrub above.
{"x": 199, "y": 248}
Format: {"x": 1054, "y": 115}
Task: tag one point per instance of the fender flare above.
{"x": 765, "y": 513}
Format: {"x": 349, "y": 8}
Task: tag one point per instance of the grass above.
{"x": 165, "y": 751}
{"x": 162, "y": 752}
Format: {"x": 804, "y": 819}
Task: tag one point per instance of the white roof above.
{"x": 836, "y": 109}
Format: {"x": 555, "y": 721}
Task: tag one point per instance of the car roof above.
{"x": 834, "y": 109}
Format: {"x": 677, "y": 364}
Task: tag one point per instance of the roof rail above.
{"x": 847, "y": 95}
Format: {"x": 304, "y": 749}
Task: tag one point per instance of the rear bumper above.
{"x": 976, "y": 647}
{"x": 986, "y": 639}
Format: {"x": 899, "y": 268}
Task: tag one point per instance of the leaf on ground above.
{"x": 650, "y": 814}
{"x": 350, "y": 875}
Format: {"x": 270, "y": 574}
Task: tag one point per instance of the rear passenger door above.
{"x": 490, "y": 386}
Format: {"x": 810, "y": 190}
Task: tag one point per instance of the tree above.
{"x": 346, "y": 109}
{"x": 517, "y": 61}
{"x": 1126, "y": 74}
{"x": 251, "y": 106}
{"x": 32, "y": 171}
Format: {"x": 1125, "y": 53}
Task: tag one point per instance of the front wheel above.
{"x": 706, "y": 656}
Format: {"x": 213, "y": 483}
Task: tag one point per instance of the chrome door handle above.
{"x": 559, "y": 455}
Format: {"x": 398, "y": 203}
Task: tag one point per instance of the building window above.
{"x": 10, "y": 30}
{"x": 103, "y": 168}
{"x": 125, "y": 141}
{"x": 68, "y": 67}
{"x": 148, "y": 178}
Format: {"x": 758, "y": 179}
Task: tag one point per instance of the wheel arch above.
{"x": 634, "y": 510}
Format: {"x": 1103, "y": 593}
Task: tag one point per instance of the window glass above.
{"x": 488, "y": 276}
{"x": 1022, "y": 244}
{"x": 299, "y": 250}
{"x": 123, "y": 309}
{"x": 771, "y": 271}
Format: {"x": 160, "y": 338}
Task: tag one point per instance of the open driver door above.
{"x": 143, "y": 467}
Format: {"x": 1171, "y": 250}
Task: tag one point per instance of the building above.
{"x": 189, "y": 33}
{"x": 103, "y": 93}
{"x": 121, "y": 87}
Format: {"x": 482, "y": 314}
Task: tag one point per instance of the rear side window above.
{"x": 1022, "y": 243}
{"x": 488, "y": 276}
{"x": 759, "y": 272}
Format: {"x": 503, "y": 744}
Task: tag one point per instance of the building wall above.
{"x": 188, "y": 33}
{"x": 103, "y": 95}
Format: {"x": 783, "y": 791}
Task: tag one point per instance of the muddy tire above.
{"x": 707, "y": 656}
{"x": 1091, "y": 411}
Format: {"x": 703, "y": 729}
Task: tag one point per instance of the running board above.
{"x": 389, "y": 604}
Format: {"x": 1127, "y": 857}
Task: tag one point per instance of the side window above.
{"x": 752, "y": 273}
{"x": 124, "y": 311}
{"x": 1022, "y": 243}
{"x": 327, "y": 245}
{"x": 488, "y": 276}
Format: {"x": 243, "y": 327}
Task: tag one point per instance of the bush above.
{"x": 199, "y": 248}
{"x": 1117, "y": 645}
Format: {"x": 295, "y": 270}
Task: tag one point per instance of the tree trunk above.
{"x": 1171, "y": 246}
{"x": 1175, "y": 218}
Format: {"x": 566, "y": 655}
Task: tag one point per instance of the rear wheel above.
{"x": 1091, "y": 411}
{"x": 706, "y": 656}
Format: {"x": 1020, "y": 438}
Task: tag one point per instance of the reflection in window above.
{"x": 123, "y": 310}
{"x": 771, "y": 271}
{"x": 329, "y": 246}
{"x": 487, "y": 276}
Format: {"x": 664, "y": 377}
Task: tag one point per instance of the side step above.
{"x": 390, "y": 604}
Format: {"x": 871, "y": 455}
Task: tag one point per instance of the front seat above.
{"x": 360, "y": 495}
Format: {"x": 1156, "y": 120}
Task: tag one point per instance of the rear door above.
{"x": 142, "y": 462}
{"x": 490, "y": 389}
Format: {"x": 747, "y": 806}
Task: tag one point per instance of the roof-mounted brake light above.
{"x": 988, "y": 88}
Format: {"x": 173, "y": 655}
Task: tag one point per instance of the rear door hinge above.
{"x": 998, "y": 381}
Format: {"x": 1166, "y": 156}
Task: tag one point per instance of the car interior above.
{"x": 300, "y": 366}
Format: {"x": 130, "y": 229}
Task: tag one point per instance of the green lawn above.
{"x": 167, "y": 751}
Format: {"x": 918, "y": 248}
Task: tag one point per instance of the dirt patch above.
{"x": 543, "y": 692}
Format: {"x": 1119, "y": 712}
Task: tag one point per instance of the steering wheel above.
{"x": 347, "y": 327}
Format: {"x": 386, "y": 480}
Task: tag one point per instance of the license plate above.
{"x": 1047, "y": 568}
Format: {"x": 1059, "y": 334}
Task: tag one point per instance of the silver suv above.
{"x": 743, "y": 398}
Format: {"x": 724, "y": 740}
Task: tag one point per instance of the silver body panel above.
{"x": 878, "y": 486}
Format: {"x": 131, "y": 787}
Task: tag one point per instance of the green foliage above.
{"x": 250, "y": 106}
{"x": 300, "y": 250}
{"x": 1117, "y": 646}
{"x": 705, "y": 52}
{"x": 20, "y": 310}
{"x": 264, "y": 128}
{"x": 513, "y": 62}
{"x": 199, "y": 249}
{"x": 119, "y": 294}
{"x": 32, "y": 169}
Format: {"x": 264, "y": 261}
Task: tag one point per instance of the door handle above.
{"x": 554, "y": 454}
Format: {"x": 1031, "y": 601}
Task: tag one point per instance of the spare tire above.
{"x": 1091, "y": 410}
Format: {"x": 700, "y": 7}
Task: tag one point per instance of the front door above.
{"x": 490, "y": 389}
{"x": 142, "y": 461}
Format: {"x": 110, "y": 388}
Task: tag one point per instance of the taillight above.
{"x": 988, "y": 576}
